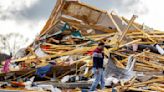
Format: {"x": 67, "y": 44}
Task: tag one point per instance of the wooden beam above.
{"x": 120, "y": 46}
{"x": 82, "y": 25}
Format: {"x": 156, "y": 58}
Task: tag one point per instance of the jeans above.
{"x": 99, "y": 78}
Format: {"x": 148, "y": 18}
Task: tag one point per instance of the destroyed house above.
{"x": 70, "y": 36}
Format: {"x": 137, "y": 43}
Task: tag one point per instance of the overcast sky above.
{"x": 29, "y": 16}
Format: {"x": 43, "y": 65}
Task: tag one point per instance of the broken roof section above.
{"x": 83, "y": 17}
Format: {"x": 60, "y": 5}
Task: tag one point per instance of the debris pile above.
{"x": 63, "y": 51}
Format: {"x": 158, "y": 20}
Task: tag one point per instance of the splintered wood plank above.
{"x": 82, "y": 59}
{"x": 114, "y": 22}
{"x": 144, "y": 33}
{"x": 127, "y": 28}
{"x": 100, "y": 35}
{"x": 78, "y": 50}
{"x": 53, "y": 17}
{"x": 25, "y": 58}
{"x": 157, "y": 88}
{"x": 150, "y": 62}
{"x": 118, "y": 63}
{"x": 137, "y": 32}
{"x": 156, "y": 55}
{"x": 142, "y": 65}
{"x": 150, "y": 81}
{"x": 157, "y": 84}
{"x": 75, "y": 51}
{"x": 137, "y": 89}
{"x": 120, "y": 54}
{"x": 129, "y": 43}
{"x": 116, "y": 40}
{"x": 144, "y": 69}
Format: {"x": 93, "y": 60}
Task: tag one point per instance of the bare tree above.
{"x": 2, "y": 43}
{"x": 12, "y": 42}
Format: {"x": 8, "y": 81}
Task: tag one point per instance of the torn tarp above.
{"x": 114, "y": 72}
{"x": 42, "y": 71}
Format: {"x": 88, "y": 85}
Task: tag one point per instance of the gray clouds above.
{"x": 40, "y": 10}
{"x": 121, "y": 6}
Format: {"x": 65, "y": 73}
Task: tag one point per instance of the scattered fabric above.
{"x": 150, "y": 47}
{"x": 5, "y": 68}
{"x": 77, "y": 34}
{"x": 45, "y": 47}
{"x": 135, "y": 47}
{"x": 42, "y": 71}
{"x": 90, "y": 52}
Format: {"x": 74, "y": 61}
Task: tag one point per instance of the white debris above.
{"x": 65, "y": 79}
{"x": 160, "y": 50}
{"x": 111, "y": 80}
{"x": 39, "y": 52}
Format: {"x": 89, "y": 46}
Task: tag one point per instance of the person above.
{"x": 98, "y": 69}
